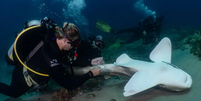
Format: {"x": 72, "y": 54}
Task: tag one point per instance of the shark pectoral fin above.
{"x": 122, "y": 59}
{"x": 162, "y": 52}
{"x": 139, "y": 82}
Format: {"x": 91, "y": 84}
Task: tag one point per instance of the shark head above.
{"x": 159, "y": 72}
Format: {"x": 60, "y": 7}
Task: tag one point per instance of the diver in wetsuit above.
{"x": 39, "y": 54}
{"x": 89, "y": 50}
{"x": 148, "y": 29}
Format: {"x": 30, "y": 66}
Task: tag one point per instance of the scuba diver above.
{"x": 148, "y": 29}
{"x": 39, "y": 53}
{"x": 89, "y": 51}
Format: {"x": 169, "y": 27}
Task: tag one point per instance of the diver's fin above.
{"x": 162, "y": 52}
{"x": 103, "y": 26}
{"x": 139, "y": 82}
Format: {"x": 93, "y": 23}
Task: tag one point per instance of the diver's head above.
{"x": 98, "y": 42}
{"x": 31, "y": 23}
{"x": 68, "y": 36}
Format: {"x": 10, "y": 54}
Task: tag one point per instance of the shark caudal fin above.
{"x": 123, "y": 59}
{"x": 162, "y": 52}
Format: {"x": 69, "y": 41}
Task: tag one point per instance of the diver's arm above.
{"x": 57, "y": 72}
{"x": 67, "y": 81}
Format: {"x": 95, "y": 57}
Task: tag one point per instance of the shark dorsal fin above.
{"x": 162, "y": 52}
{"x": 122, "y": 59}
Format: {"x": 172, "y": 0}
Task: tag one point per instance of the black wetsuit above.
{"x": 149, "y": 25}
{"x": 86, "y": 53}
{"x": 48, "y": 60}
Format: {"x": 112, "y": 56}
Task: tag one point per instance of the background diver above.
{"x": 89, "y": 50}
{"x": 148, "y": 29}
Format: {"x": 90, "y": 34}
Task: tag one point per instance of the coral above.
{"x": 183, "y": 37}
{"x": 90, "y": 85}
{"x": 64, "y": 95}
{"x": 195, "y": 43}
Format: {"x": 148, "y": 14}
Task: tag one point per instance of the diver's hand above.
{"x": 97, "y": 61}
{"x": 96, "y": 71}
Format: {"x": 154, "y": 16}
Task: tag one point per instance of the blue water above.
{"x": 118, "y": 13}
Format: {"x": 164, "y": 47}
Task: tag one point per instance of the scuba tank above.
{"x": 9, "y": 55}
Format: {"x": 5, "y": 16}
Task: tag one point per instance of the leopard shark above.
{"x": 145, "y": 75}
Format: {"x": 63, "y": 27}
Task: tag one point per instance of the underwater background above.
{"x": 118, "y": 13}
{"x": 180, "y": 16}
